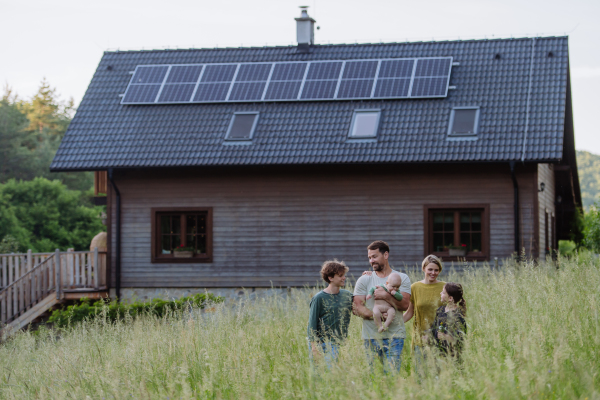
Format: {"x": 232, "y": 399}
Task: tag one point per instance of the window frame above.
{"x": 252, "y": 130}
{"x": 429, "y": 209}
{"x": 364, "y": 111}
{"x": 156, "y": 236}
{"x": 475, "y": 125}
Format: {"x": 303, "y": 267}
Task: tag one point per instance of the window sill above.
{"x": 173, "y": 260}
{"x": 469, "y": 257}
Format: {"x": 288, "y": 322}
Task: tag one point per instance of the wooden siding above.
{"x": 276, "y": 227}
{"x": 546, "y": 200}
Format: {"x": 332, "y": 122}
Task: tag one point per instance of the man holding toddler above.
{"x": 385, "y": 344}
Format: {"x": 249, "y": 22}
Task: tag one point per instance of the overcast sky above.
{"x": 64, "y": 40}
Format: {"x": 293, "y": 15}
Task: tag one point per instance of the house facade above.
{"x": 265, "y": 162}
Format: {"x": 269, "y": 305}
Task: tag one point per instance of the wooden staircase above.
{"x": 33, "y": 283}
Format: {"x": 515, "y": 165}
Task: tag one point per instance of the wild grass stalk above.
{"x": 533, "y": 333}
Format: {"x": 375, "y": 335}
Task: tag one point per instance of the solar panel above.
{"x": 149, "y": 74}
{"x": 212, "y": 92}
{"x": 141, "y": 94}
{"x": 283, "y": 90}
{"x": 247, "y": 91}
{"x": 184, "y": 74}
{"x": 289, "y": 81}
{"x": 176, "y": 93}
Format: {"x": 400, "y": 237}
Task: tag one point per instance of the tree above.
{"x": 44, "y": 215}
{"x": 30, "y": 134}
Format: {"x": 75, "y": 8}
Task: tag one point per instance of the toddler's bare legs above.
{"x": 377, "y": 317}
{"x": 391, "y": 313}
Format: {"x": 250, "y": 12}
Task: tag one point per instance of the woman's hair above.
{"x": 455, "y": 290}
{"x": 331, "y": 268}
{"x": 431, "y": 259}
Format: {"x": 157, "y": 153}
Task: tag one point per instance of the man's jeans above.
{"x": 388, "y": 351}
{"x": 331, "y": 352}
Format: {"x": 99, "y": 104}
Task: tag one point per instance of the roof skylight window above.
{"x": 242, "y": 126}
{"x": 364, "y": 124}
{"x": 464, "y": 121}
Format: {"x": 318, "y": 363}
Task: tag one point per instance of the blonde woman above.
{"x": 424, "y": 301}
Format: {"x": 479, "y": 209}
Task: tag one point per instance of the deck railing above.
{"x": 57, "y": 273}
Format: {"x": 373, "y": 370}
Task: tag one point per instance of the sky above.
{"x": 63, "y": 40}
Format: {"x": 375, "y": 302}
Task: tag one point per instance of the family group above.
{"x": 386, "y": 300}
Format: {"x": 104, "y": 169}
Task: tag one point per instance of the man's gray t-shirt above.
{"x": 369, "y": 329}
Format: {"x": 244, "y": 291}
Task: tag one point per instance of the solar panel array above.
{"x": 289, "y": 81}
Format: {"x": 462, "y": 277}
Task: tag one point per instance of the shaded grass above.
{"x": 533, "y": 333}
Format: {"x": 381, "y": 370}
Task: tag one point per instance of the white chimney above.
{"x": 305, "y": 29}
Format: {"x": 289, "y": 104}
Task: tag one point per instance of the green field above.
{"x": 534, "y": 333}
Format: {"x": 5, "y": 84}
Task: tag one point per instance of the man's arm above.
{"x": 402, "y": 305}
{"x": 359, "y": 308}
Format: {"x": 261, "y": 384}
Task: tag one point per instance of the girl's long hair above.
{"x": 455, "y": 290}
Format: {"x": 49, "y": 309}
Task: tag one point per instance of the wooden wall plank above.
{"x": 284, "y": 226}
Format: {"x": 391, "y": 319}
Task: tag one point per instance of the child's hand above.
{"x": 368, "y": 273}
{"x": 369, "y": 296}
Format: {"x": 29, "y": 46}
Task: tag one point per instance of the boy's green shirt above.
{"x": 329, "y": 316}
{"x": 398, "y": 296}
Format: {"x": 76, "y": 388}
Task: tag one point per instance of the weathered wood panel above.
{"x": 277, "y": 227}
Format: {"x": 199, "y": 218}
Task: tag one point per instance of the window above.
{"x": 364, "y": 124}
{"x": 464, "y": 121}
{"x": 457, "y": 232}
{"x": 181, "y": 227}
{"x": 242, "y": 126}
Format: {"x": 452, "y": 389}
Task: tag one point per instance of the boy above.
{"x": 330, "y": 312}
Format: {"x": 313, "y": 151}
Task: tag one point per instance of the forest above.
{"x": 40, "y": 210}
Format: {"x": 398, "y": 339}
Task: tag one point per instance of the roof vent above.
{"x": 305, "y": 30}
{"x": 497, "y": 56}
{"x": 550, "y": 54}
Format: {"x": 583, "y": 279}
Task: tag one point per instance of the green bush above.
{"x": 117, "y": 311}
{"x": 591, "y": 229}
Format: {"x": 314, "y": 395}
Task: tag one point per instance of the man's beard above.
{"x": 377, "y": 267}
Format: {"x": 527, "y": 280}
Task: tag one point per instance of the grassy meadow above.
{"x": 533, "y": 333}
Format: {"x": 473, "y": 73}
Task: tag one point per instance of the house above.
{"x": 267, "y": 161}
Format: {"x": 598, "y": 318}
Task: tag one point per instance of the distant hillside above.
{"x": 588, "y": 166}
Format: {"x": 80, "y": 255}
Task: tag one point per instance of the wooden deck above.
{"x": 32, "y": 283}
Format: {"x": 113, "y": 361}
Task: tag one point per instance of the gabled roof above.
{"x": 522, "y": 95}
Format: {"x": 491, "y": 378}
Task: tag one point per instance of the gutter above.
{"x": 118, "y": 246}
{"x": 516, "y": 207}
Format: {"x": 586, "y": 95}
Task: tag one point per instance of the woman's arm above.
{"x": 409, "y": 313}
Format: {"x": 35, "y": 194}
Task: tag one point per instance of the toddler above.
{"x": 382, "y": 307}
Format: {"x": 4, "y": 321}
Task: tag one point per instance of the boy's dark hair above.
{"x": 331, "y": 268}
{"x": 455, "y": 290}
{"x": 379, "y": 245}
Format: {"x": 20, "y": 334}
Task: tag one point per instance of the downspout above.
{"x": 118, "y": 235}
{"x": 516, "y": 205}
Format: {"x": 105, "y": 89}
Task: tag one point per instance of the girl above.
{"x": 449, "y": 328}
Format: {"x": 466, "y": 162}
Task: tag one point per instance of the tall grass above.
{"x": 534, "y": 333}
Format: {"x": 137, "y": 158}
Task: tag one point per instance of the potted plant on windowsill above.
{"x": 457, "y": 251}
{"x": 183, "y": 252}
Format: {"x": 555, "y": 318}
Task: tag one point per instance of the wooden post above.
{"x": 31, "y": 279}
{"x": 96, "y": 268}
{"x": 57, "y": 268}
{"x": 9, "y": 297}
{"x": 4, "y": 272}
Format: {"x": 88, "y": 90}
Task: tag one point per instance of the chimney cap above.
{"x": 304, "y": 15}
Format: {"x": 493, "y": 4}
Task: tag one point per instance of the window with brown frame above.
{"x": 188, "y": 229}
{"x": 457, "y": 232}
